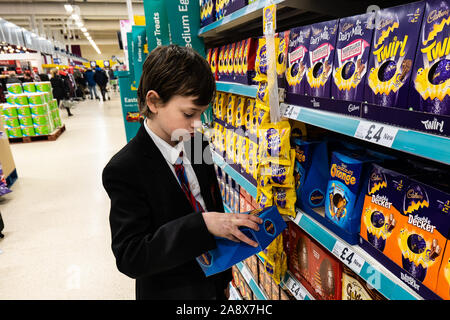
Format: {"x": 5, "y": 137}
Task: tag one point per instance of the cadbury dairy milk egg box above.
{"x": 297, "y": 60}
{"x": 351, "y": 57}
{"x": 322, "y": 44}
{"x": 430, "y": 88}
{"x": 392, "y": 55}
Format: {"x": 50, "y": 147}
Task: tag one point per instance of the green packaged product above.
{"x": 21, "y": 99}
{"x": 28, "y": 131}
{"x": 44, "y": 86}
{"x": 53, "y": 105}
{"x": 36, "y": 98}
{"x": 55, "y": 113}
{"x": 41, "y": 120}
{"x": 57, "y": 121}
{"x": 14, "y": 88}
{"x": 29, "y": 87}
{"x": 23, "y": 111}
{"x": 9, "y": 110}
{"x": 12, "y": 122}
{"x": 39, "y": 110}
{"x": 26, "y": 121}
{"x": 47, "y": 97}
{"x": 10, "y": 99}
{"x": 14, "y": 132}
{"x": 42, "y": 130}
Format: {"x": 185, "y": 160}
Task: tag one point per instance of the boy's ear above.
{"x": 152, "y": 99}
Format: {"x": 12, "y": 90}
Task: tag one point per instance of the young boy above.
{"x": 166, "y": 209}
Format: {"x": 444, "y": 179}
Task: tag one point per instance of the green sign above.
{"x": 130, "y": 58}
{"x": 184, "y": 23}
{"x": 130, "y": 108}
{"x": 157, "y": 24}
{"x": 139, "y": 40}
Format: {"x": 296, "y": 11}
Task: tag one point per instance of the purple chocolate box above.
{"x": 430, "y": 84}
{"x": 297, "y": 62}
{"x": 392, "y": 54}
{"x": 351, "y": 57}
{"x": 322, "y": 45}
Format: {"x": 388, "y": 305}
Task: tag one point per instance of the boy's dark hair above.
{"x": 174, "y": 70}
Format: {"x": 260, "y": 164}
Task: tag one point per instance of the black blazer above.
{"x": 155, "y": 233}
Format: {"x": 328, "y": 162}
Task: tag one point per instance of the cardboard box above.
{"x": 326, "y": 273}
{"x": 392, "y": 55}
{"x": 443, "y": 282}
{"x": 297, "y": 61}
{"x": 355, "y": 288}
{"x": 282, "y": 57}
{"x": 429, "y": 84}
{"x": 228, "y": 252}
{"x": 275, "y": 291}
{"x": 6, "y": 157}
{"x": 300, "y": 249}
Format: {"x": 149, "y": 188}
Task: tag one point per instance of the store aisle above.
{"x": 57, "y": 237}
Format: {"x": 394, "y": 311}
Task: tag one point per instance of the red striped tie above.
{"x": 182, "y": 178}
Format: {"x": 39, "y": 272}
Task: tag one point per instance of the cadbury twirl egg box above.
{"x": 351, "y": 57}
{"x": 322, "y": 44}
{"x": 344, "y": 199}
{"x": 297, "y": 60}
{"x": 430, "y": 88}
{"x": 282, "y": 57}
{"x": 392, "y": 54}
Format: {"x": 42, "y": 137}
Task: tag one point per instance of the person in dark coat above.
{"x": 89, "y": 76}
{"x": 101, "y": 79}
{"x": 13, "y": 78}
{"x": 60, "y": 89}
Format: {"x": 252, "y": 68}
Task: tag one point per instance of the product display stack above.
{"x": 355, "y": 157}
{"x": 30, "y": 110}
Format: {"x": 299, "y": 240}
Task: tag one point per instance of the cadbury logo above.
{"x": 411, "y": 194}
{"x": 435, "y": 15}
{"x": 434, "y": 125}
{"x": 376, "y": 177}
{"x": 352, "y": 107}
{"x": 385, "y": 23}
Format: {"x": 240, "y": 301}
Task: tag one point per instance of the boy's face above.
{"x": 177, "y": 119}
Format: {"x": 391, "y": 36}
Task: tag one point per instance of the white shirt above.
{"x": 171, "y": 155}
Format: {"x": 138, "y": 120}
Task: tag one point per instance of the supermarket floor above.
{"x": 57, "y": 237}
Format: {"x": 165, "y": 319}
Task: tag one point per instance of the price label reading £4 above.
{"x": 348, "y": 256}
{"x": 291, "y": 111}
{"x": 376, "y": 133}
{"x": 296, "y": 289}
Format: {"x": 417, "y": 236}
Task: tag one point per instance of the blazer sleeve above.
{"x": 138, "y": 251}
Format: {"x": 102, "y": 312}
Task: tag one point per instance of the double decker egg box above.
{"x": 351, "y": 57}
{"x": 322, "y": 44}
{"x": 430, "y": 88}
{"x": 297, "y": 60}
{"x": 392, "y": 55}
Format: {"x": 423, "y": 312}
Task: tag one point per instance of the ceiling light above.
{"x": 68, "y": 8}
{"x": 75, "y": 17}
{"x": 79, "y": 24}
{"x": 83, "y": 29}
{"x": 86, "y": 34}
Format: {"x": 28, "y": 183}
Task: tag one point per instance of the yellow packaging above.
{"x": 238, "y": 150}
{"x": 249, "y": 105}
{"x": 284, "y": 199}
{"x": 221, "y": 106}
{"x": 243, "y": 146}
{"x": 220, "y": 60}
{"x": 225, "y": 58}
{"x": 254, "y": 126}
{"x": 240, "y": 111}
{"x": 264, "y": 197}
{"x": 214, "y": 109}
{"x": 230, "y": 107}
{"x": 230, "y": 65}
{"x": 261, "y": 60}
{"x": 237, "y": 50}
{"x": 262, "y": 95}
{"x": 274, "y": 142}
{"x": 241, "y": 57}
{"x": 263, "y": 114}
{"x": 275, "y": 262}
{"x": 222, "y": 138}
{"x": 278, "y": 175}
{"x": 252, "y": 158}
{"x": 230, "y": 144}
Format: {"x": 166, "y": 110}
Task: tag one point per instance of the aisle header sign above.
{"x": 157, "y": 23}
{"x": 184, "y": 23}
{"x": 139, "y": 40}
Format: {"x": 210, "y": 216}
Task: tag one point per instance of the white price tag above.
{"x": 296, "y": 289}
{"x": 376, "y": 133}
{"x": 292, "y": 111}
{"x": 246, "y": 273}
{"x": 348, "y": 256}
{"x": 298, "y": 217}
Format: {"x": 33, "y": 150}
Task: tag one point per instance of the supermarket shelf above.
{"x": 417, "y": 143}
{"x": 358, "y": 260}
{"x": 227, "y": 208}
{"x": 234, "y": 294}
{"x": 236, "y": 176}
{"x": 236, "y": 88}
{"x": 247, "y": 274}
{"x": 239, "y": 17}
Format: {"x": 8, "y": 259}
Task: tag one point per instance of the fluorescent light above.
{"x": 75, "y": 17}
{"x": 79, "y": 24}
{"x": 83, "y": 29}
{"x": 68, "y": 8}
{"x": 86, "y": 34}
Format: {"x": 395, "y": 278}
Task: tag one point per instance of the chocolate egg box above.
{"x": 322, "y": 44}
{"x": 408, "y": 221}
{"x": 282, "y": 53}
{"x": 351, "y": 57}
{"x": 298, "y": 262}
{"x": 430, "y": 87}
{"x": 392, "y": 55}
{"x": 297, "y": 60}
{"x": 356, "y": 288}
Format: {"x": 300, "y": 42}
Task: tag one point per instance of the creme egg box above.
{"x": 228, "y": 253}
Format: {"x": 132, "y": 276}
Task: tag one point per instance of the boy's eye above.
{"x": 187, "y": 115}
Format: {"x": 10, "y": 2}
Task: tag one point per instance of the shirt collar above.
{"x": 171, "y": 154}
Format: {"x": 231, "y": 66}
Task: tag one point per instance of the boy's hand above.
{"x": 226, "y": 225}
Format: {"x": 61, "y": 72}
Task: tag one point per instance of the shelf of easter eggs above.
{"x": 250, "y": 280}
{"x": 368, "y": 123}
{"x": 237, "y": 18}
{"x": 237, "y": 88}
{"x": 234, "y": 294}
{"x": 370, "y": 265}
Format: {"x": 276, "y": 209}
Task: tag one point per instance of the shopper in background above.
{"x": 80, "y": 82}
{"x": 166, "y": 211}
{"x": 101, "y": 79}
{"x": 89, "y": 75}
{"x": 27, "y": 77}
{"x": 13, "y": 78}
{"x": 44, "y": 77}
{"x": 112, "y": 79}
{"x": 60, "y": 89}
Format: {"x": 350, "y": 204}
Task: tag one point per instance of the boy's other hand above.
{"x": 226, "y": 225}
